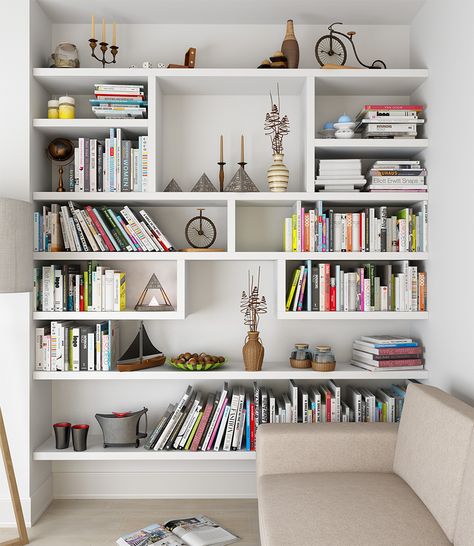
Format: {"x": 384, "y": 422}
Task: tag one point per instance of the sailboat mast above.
{"x": 140, "y": 342}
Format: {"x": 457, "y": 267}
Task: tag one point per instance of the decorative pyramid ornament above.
{"x": 241, "y": 182}
{"x": 204, "y": 184}
{"x": 173, "y": 186}
{"x": 152, "y": 295}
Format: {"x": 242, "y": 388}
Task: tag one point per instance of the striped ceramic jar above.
{"x": 278, "y": 174}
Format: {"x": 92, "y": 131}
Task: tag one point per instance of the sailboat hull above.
{"x": 146, "y": 362}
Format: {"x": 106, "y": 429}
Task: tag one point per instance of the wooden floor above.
{"x": 100, "y": 523}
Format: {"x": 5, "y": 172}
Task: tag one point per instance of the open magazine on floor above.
{"x": 193, "y": 531}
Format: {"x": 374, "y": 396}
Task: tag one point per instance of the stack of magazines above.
{"x": 119, "y": 101}
{"x": 387, "y": 353}
{"x": 389, "y": 120}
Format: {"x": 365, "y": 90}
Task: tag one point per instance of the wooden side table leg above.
{"x": 12, "y": 485}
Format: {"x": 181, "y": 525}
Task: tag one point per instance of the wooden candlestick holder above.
{"x": 221, "y": 175}
{"x": 104, "y": 47}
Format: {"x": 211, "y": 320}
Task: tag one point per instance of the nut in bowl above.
{"x": 194, "y": 362}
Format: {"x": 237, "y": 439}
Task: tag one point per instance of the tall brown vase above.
{"x": 290, "y": 47}
{"x": 253, "y": 352}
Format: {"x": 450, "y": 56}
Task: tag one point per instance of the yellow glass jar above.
{"x": 53, "y": 109}
{"x": 67, "y": 108}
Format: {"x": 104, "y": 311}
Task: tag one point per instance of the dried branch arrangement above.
{"x": 252, "y": 305}
{"x": 276, "y": 127}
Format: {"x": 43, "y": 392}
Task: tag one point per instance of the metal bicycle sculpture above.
{"x": 331, "y": 50}
{"x": 200, "y": 231}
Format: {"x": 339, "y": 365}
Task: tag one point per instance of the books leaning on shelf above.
{"x": 96, "y": 229}
{"x": 387, "y": 353}
{"x": 192, "y": 531}
{"x": 377, "y": 229}
{"x": 339, "y": 175}
{"x": 58, "y": 288}
{"x": 404, "y": 175}
{"x": 116, "y": 101}
{"x": 113, "y": 164}
{"x": 65, "y": 346}
{"x": 369, "y": 287}
{"x": 229, "y": 419}
{"x": 389, "y": 120}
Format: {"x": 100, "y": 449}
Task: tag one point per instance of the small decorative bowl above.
{"x": 198, "y": 367}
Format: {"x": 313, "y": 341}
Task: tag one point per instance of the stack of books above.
{"x": 116, "y": 101}
{"x": 389, "y": 120}
{"x": 110, "y": 165}
{"x": 65, "y": 288}
{"x": 366, "y": 288}
{"x": 229, "y": 419}
{"x": 96, "y": 229}
{"x": 368, "y": 230}
{"x": 339, "y": 175}
{"x": 396, "y": 175}
{"x": 387, "y": 353}
{"x": 69, "y": 347}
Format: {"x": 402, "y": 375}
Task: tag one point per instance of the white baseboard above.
{"x": 33, "y": 507}
{"x": 153, "y": 485}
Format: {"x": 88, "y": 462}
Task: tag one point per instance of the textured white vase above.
{"x": 278, "y": 174}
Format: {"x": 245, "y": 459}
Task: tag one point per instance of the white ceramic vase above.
{"x": 278, "y": 174}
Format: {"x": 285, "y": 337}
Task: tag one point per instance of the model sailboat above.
{"x": 141, "y": 354}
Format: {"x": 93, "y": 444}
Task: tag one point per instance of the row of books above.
{"x": 65, "y": 346}
{"x": 228, "y": 419}
{"x": 65, "y": 288}
{"x": 340, "y": 175}
{"x": 396, "y": 175}
{"x": 119, "y": 101}
{"x": 114, "y": 164}
{"x": 97, "y": 229}
{"x": 387, "y": 353}
{"x": 389, "y": 120}
{"x": 370, "y": 230}
{"x": 369, "y": 287}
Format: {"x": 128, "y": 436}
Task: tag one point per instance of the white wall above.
{"x": 232, "y": 46}
{"x": 448, "y": 96}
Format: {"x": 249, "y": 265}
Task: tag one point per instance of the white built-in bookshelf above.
{"x": 310, "y": 97}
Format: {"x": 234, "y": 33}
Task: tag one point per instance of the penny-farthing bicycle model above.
{"x": 200, "y": 231}
{"x": 331, "y": 50}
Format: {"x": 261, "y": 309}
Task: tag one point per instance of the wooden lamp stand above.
{"x": 12, "y": 485}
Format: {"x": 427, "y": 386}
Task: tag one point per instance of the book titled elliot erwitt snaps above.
{"x": 193, "y": 531}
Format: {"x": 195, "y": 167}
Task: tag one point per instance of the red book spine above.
{"x": 201, "y": 427}
{"x": 332, "y": 296}
{"x": 328, "y": 406}
{"x": 401, "y": 351}
{"x": 396, "y": 363}
{"x": 252, "y": 426}
{"x": 416, "y": 107}
{"x": 99, "y": 228}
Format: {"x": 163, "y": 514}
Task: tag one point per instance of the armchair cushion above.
{"x": 341, "y": 509}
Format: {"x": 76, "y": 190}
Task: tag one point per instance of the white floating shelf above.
{"x": 230, "y": 256}
{"x": 370, "y": 147}
{"x": 233, "y": 371}
{"x": 97, "y": 452}
{"x": 106, "y": 315}
{"x": 212, "y": 199}
{"x": 332, "y": 315}
{"x": 93, "y": 127}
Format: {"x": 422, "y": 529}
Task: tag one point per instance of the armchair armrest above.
{"x": 326, "y": 447}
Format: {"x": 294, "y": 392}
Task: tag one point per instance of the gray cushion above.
{"x": 432, "y": 446}
{"x": 343, "y": 509}
{"x": 464, "y": 535}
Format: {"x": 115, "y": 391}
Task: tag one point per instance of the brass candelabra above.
{"x": 104, "y": 47}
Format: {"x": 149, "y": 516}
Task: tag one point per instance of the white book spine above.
{"x": 337, "y": 232}
{"x": 355, "y": 232}
{"x": 39, "y": 363}
{"x": 48, "y": 288}
{"x": 366, "y": 294}
{"x": 222, "y": 428}
{"x": 90, "y": 352}
{"x": 288, "y": 235}
{"x": 231, "y": 422}
{"x": 109, "y": 290}
{"x": 93, "y": 164}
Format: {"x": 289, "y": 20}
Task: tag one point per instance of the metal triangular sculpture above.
{"x": 204, "y": 184}
{"x": 173, "y": 186}
{"x": 151, "y": 296}
{"x": 241, "y": 182}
